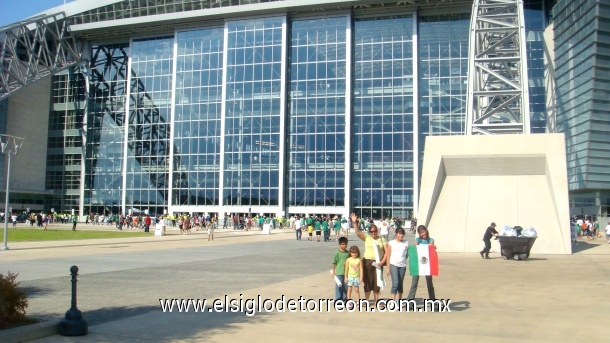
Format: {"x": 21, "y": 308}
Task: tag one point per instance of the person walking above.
{"x": 298, "y": 227}
{"x": 326, "y": 229}
{"x": 337, "y": 228}
{"x": 74, "y": 221}
{"x": 384, "y": 229}
{"x": 147, "y": 222}
{"x": 490, "y": 232}
{"x": 211, "y": 228}
{"x": 596, "y": 229}
{"x": 121, "y": 221}
{"x": 309, "y": 222}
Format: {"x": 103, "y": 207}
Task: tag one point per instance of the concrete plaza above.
{"x": 547, "y": 298}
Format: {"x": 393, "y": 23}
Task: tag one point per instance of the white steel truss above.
{"x": 33, "y": 49}
{"x": 498, "y": 97}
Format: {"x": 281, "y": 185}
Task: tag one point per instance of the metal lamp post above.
{"x": 9, "y": 150}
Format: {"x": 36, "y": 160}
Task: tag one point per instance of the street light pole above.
{"x": 8, "y": 180}
{"x": 11, "y": 151}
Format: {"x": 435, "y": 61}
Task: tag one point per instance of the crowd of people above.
{"x": 323, "y": 226}
{"x": 40, "y": 219}
{"x": 587, "y": 228}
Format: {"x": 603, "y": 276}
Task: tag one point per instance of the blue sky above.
{"x": 14, "y": 10}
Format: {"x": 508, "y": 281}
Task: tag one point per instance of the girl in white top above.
{"x": 397, "y": 250}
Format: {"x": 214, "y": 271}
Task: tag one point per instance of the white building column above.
{"x": 126, "y": 129}
{"x": 223, "y": 109}
{"x": 283, "y": 135}
{"x": 348, "y": 115}
{"x": 172, "y": 126}
{"x": 415, "y": 115}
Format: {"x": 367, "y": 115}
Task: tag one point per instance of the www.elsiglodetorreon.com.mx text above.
{"x": 251, "y": 306}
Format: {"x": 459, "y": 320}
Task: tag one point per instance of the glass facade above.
{"x": 105, "y": 129}
{"x": 534, "y": 31}
{"x": 443, "y": 70}
{"x": 582, "y": 67}
{"x": 303, "y": 114}
{"x": 318, "y": 97}
{"x": 310, "y": 111}
{"x": 443, "y": 67}
{"x": 252, "y": 112}
{"x": 148, "y": 127}
{"x": 65, "y": 142}
{"x": 198, "y": 101}
{"x": 383, "y": 149}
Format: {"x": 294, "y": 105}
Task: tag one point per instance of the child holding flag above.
{"x": 422, "y": 261}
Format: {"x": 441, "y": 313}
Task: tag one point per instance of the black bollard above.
{"x": 73, "y": 324}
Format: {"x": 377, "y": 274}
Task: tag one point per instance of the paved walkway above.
{"x": 543, "y": 299}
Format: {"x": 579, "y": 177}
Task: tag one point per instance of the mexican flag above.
{"x": 423, "y": 260}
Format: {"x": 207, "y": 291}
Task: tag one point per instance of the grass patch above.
{"x": 35, "y": 235}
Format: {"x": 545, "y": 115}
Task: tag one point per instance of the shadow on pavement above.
{"x": 172, "y": 326}
{"x": 457, "y": 306}
{"x": 108, "y": 314}
{"x": 34, "y": 291}
{"x": 582, "y": 246}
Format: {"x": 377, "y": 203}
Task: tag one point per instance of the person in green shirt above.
{"x": 318, "y": 226}
{"x": 325, "y": 229}
{"x": 337, "y": 228}
{"x": 596, "y": 229}
{"x": 338, "y": 270}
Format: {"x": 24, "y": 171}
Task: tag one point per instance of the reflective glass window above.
{"x": 383, "y": 114}
{"x": 317, "y": 117}
{"x": 252, "y": 112}
{"x": 149, "y": 124}
{"x": 197, "y": 123}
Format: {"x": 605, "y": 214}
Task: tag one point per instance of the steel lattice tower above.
{"x": 498, "y": 97}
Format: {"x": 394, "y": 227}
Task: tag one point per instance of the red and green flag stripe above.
{"x": 423, "y": 260}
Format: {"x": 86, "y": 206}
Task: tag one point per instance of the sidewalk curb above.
{"x": 30, "y": 332}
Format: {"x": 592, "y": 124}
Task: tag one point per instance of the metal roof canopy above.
{"x": 33, "y": 49}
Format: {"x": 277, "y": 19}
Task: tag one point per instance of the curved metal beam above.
{"x": 31, "y": 50}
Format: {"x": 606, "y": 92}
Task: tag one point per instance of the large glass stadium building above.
{"x": 279, "y": 106}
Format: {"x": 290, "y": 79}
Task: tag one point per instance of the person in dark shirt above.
{"x": 490, "y": 232}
